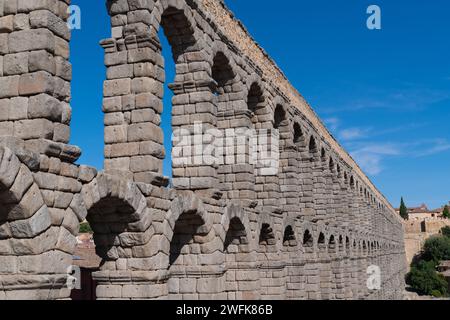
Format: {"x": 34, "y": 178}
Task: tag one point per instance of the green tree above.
{"x": 446, "y": 212}
{"x": 424, "y": 279}
{"x": 403, "y": 210}
{"x": 436, "y": 249}
{"x": 85, "y": 228}
{"x": 446, "y": 231}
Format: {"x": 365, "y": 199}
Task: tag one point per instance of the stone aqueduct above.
{"x": 221, "y": 232}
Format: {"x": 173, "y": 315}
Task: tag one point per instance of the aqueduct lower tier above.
{"x": 307, "y": 230}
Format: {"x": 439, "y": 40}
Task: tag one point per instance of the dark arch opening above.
{"x": 332, "y": 244}
{"x": 321, "y": 241}
{"x": 185, "y": 229}
{"x": 266, "y": 237}
{"x": 308, "y": 241}
{"x": 236, "y": 236}
{"x": 312, "y": 145}
{"x": 323, "y": 154}
{"x": 222, "y": 73}
{"x": 289, "y": 237}
{"x": 341, "y": 243}
{"x": 279, "y": 116}
{"x": 108, "y": 218}
{"x": 331, "y": 165}
{"x": 255, "y": 99}
{"x": 298, "y": 134}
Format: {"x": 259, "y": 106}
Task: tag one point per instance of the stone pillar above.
{"x": 326, "y": 277}
{"x": 329, "y": 192}
{"x": 39, "y": 222}
{"x": 347, "y": 265}
{"x": 290, "y": 187}
{"x": 237, "y": 173}
{"x": 320, "y": 194}
{"x": 242, "y": 277}
{"x": 306, "y": 181}
{"x": 132, "y": 106}
{"x": 35, "y": 73}
{"x": 267, "y": 180}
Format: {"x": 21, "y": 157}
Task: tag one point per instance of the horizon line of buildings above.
{"x": 423, "y": 212}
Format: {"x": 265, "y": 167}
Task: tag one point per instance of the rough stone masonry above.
{"x": 309, "y": 231}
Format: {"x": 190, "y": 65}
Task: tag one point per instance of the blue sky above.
{"x": 384, "y": 94}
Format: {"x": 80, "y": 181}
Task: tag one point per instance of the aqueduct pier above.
{"x": 309, "y": 230}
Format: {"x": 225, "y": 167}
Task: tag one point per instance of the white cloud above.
{"x": 433, "y": 147}
{"x": 353, "y": 133}
{"x": 332, "y": 123}
{"x": 370, "y": 157}
{"x": 386, "y": 149}
{"x": 370, "y": 163}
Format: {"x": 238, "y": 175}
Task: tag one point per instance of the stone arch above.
{"x": 23, "y": 213}
{"x": 141, "y": 44}
{"x": 289, "y": 238}
{"x": 331, "y": 165}
{"x": 237, "y": 227}
{"x": 223, "y": 69}
{"x": 221, "y": 49}
{"x": 340, "y": 243}
{"x": 338, "y": 169}
{"x": 298, "y": 135}
{"x": 187, "y": 202}
{"x": 16, "y": 180}
{"x": 348, "y": 246}
{"x": 321, "y": 242}
{"x": 313, "y": 147}
{"x": 266, "y": 234}
{"x": 180, "y": 28}
{"x": 254, "y": 80}
{"x": 279, "y": 113}
{"x": 332, "y": 247}
{"x": 177, "y": 12}
{"x": 365, "y": 247}
{"x": 308, "y": 241}
{"x": 191, "y": 225}
{"x": 117, "y": 213}
{"x": 256, "y": 98}
{"x": 236, "y": 235}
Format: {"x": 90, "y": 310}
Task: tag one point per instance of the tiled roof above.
{"x": 85, "y": 255}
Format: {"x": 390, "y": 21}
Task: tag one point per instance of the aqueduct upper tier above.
{"x": 305, "y": 224}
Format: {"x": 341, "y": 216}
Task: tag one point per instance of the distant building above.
{"x": 422, "y": 224}
{"x": 423, "y": 213}
{"x": 87, "y": 260}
